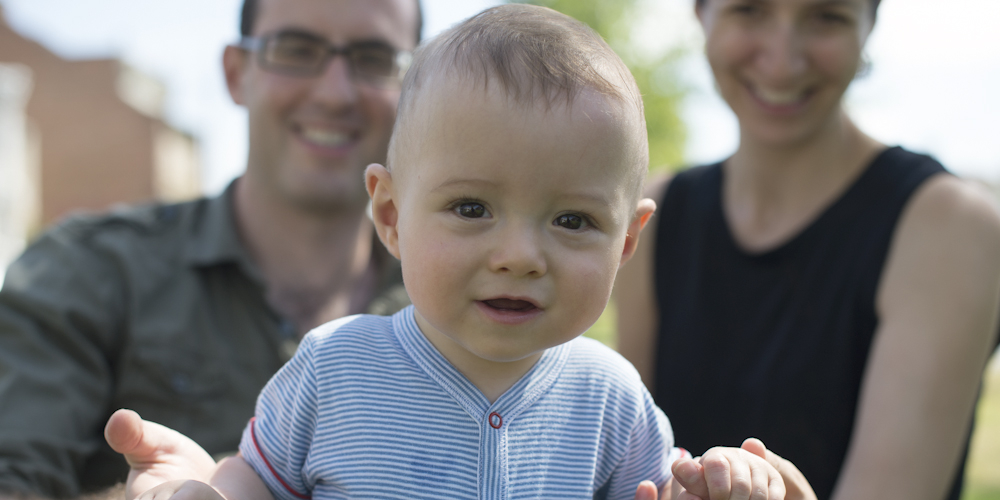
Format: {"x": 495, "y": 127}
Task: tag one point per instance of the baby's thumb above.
{"x": 124, "y": 433}
{"x": 691, "y": 475}
{"x": 755, "y": 446}
{"x": 646, "y": 491}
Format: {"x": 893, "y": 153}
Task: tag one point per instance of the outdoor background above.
{"x": 933, "y": 88}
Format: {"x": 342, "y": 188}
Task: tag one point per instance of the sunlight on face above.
{"x": 512, "y": 219}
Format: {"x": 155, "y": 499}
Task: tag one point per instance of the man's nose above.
{"x": 336, "y": 86}
{"x": 519, "y": 252}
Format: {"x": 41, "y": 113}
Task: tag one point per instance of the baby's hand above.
{"x": 181, "y": 490}
{"x": 729, "y": 474}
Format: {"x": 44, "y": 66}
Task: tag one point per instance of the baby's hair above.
{"x": 532, "y": 52}
{"x": 535, "y": 55}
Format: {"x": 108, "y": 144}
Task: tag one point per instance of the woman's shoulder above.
{"x": 949, "y": 226}
{"x": 942, "y": 200}
{"x": 947, "y": 204}
{"x": 901, "y": 167}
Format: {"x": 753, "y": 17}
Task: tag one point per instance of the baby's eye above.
{"x": 570, "y": 221}
{"x": 471, "y": 210}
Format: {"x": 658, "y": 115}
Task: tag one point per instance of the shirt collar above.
{"x": 518, "y": 398}
{"x": 215, "y": 239}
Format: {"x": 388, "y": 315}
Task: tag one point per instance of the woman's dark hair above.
{"x": 249, "y": 15}
{"x": 701, "y": 3}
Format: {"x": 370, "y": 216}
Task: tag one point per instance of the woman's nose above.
{"x": 781, "y": 54}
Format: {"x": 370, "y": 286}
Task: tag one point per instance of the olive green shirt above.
{"x": 157, "y": 309}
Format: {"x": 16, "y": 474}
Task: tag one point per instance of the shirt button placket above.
{"x": 493, "y": 457}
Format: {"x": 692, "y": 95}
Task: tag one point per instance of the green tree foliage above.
{"x": 661, "y": 93}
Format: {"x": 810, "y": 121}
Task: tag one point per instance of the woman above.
{"x": 845, "y": 293}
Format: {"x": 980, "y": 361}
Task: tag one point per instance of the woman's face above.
{"x": 783, "y": 65}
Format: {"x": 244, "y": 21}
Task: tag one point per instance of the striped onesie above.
{"x": 368, "y": 408}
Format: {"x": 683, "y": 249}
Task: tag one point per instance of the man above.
{"x": 183, "y": 312}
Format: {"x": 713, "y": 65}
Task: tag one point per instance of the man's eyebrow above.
{"x": 297, "y": 32}
{"x": 367, "y": 42}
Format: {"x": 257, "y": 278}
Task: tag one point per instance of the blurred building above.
{"x": 18, "y": 169}
{"x": 92, "y": 135}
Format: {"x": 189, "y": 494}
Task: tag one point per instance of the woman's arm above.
{"x": 937, "y": 303}
{"x": 634, "y": 297}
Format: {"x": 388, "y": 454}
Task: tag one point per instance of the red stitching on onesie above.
{"x": 253, "y": 436}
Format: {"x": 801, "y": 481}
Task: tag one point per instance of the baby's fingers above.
{"x": 162, "y": 491}
{"x": 686, "y": 495}
{"x": 735, "y": 474}
{"x": 690, "y": 475}
{"x": 728, "y": 476}
{"x": 181, "y": 490}
{"x": 766, "y": 483}
{"x": 775, "y": 481}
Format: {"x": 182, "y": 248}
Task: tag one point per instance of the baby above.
{"x": 511, "y": 195}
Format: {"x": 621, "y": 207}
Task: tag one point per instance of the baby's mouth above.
{"x": 515, "y": 305}
{"x": 510, "y": 311}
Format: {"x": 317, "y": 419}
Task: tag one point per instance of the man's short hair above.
{"x": 248, "y": 16}
{"x": 534, "y": 55}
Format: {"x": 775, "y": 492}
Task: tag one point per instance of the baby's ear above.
{"x": 643, "y": 211}
{"x": 378, "y": 180}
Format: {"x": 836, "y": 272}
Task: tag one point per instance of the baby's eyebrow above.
{"x": 590, "y": 198}
{"x": 457, "y": 183}
{"x": 582, "y": 197}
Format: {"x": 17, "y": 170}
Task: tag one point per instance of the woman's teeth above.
{"x": 326, "y": 138}
{"x": 779, "y": 97}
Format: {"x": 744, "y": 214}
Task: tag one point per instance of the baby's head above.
{"x": 534, "y": 58}
{"x": 512, "y": 190}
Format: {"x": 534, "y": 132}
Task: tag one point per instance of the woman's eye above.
{"x": 570, "y": 221}
{"x": 471, "y": 210}
{"x": 832, "y": 18}
{"x": 746, "y": 9}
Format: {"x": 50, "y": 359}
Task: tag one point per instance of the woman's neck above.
{"x": 772, "y": 192}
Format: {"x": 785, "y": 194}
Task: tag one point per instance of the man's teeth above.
{"x": 778, "y": 97}
{"x": 327, "y": 138}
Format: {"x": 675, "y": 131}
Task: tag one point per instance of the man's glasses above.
{"x": 303, "y": 54}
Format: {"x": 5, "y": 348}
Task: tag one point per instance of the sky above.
{"x": 933, "y": 86}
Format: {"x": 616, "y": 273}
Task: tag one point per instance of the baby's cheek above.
{"x": 590, "y": 287}
{"x": 429, "y": 270}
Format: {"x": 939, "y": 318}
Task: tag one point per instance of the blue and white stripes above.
{"x": 368, "y": 408}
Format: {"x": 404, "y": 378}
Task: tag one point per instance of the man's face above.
{"x": 311, "y": 137}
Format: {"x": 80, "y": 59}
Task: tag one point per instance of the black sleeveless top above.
{"x": 774, "y": 345}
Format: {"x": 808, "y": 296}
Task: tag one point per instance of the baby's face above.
{"x": 510, "y": 222}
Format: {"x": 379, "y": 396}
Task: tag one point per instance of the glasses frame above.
{"x": 257, "y": 44}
